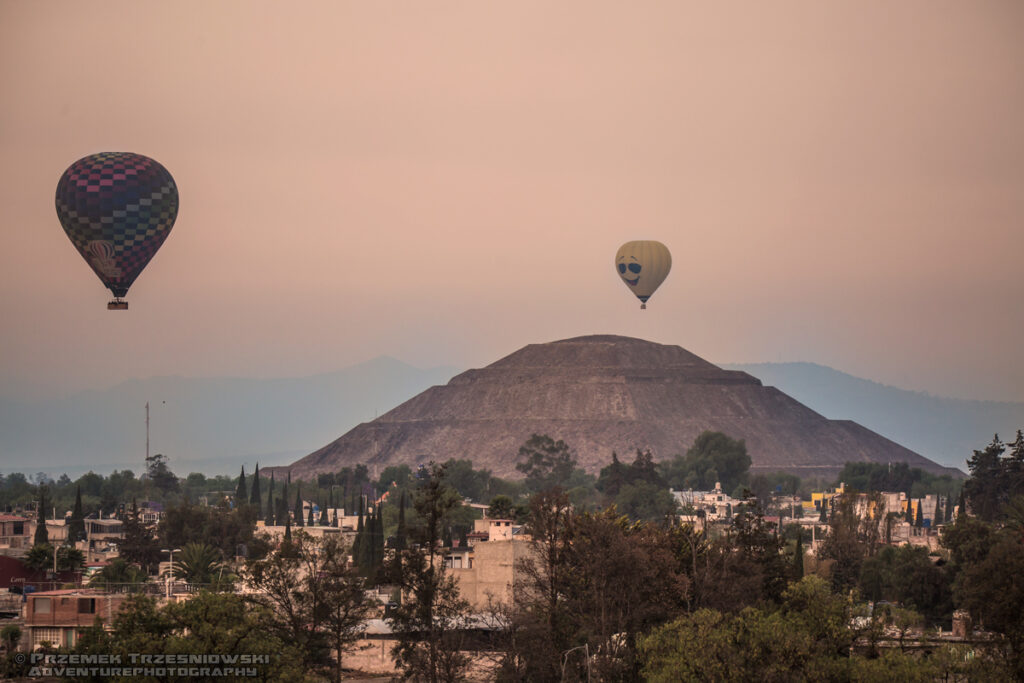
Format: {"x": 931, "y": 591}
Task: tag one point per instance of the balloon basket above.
{"x": 117, "y": 305}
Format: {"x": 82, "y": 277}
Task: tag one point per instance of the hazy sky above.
{"x": 445, "y": 182}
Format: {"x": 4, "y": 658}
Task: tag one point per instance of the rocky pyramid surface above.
{"x": 601, "y": 394}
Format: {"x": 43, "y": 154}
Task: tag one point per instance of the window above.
{"x": 19, "y": 528}
{"x": 45, "y": 635}
{"x": 87, "y": 605}
{"x": 41, "y": 605}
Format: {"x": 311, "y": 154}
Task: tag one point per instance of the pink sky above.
{"x": 445, "y": 182}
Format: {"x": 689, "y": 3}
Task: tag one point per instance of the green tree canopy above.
{"x": 713, "y": 457}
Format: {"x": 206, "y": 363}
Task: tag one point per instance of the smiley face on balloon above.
{"x": 643, "y": 265}
{"x": 630, "y": 272}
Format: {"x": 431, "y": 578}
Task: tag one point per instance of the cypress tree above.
{"x": 271, "y": 510}
{"x": 823, "y": 517}
{"x": 357, "y": 544}
{"x": 367, "y": 547}
{"x": 378, "y": 540}
{"x": 269, "y": 520}
{"x": 254, "y": 497}
{"x": 309, "y": 520}
{"x": 288, "y": 530}
{"x": 961, "y": 508}
{"x": 240, "y": 493}
{"x": 798, "y": 557}
{"x": 401, "y": 535}
{"x": 282, "y": 507}
{"x": 76, "y": 527}
{"x": 323, "y": 515}
{"x": 42, "y": 536}
{"x": 298, "y": 505}
{"x": 919, "y": 517}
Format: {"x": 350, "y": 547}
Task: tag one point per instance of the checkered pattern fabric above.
{"x": 117, "y": 208}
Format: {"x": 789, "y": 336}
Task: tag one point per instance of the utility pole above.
{"x": 147, "y": 431}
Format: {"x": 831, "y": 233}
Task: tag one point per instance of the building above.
{"x": 57, "y": 617}
{"x": 700, "y": 506}
{"x": 15, "y": 532}
{"x": 487, "y": 571}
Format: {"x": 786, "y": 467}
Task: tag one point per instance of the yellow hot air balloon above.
{"x": 643, "y": 265}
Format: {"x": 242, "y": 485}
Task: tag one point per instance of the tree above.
{"x": 988, "y": 487}
{"x": 807, "y": 638}
{"x": 76, "y": 525}
{"x": 540, "y": 618}
{"x": 43, "y": 557}
{"x": 623, "y": 580}
{"x": 254, "y": 496}
{"x": 850, "y": 539}
{"x": 160, "y": 474}
{"x": 645, "y": 500}
{"x": 42, "y": 536}
{"x": 199, "y": 563}
{"x": 713, "y": 457}
{"x": 545, "y": 462}
{"x": 360, "y": 539}
{"x": 312, "y": 598}
{"x": 501, "y": 507}
{"x": 221, "y": 623}
{"x": 401, "y": 534}
{"x": 271, "y": 517}
{"x": 798, "y": 558}
{"x": 139, "y": 545}
{"x": 282, "y": 515}
{"x": 907, "y": 576}
{"x": 39, "y": 557}
{"x": 241, "y": 494}
{"x": 612, "y": 477}
{"x": 224, "y": 528}
{"x": 469, "y": 482}
{"x": 10, "y": 667}
{"x": 119, "y": 571}
{"x": 987, "y": 561}
{"x": 431, "y": 621}
{"x": 298, "y": 505}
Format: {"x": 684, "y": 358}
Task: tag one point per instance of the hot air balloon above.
{"x": 117, "y": 208}
{"x": 643, "y": 265}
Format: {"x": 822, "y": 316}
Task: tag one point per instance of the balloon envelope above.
{"x": 643, "y": 265}
{"x": 117, "y": 208}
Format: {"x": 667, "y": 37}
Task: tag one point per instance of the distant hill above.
{"x": 208, "y": 425}
{"x": 605, "y": 393}
{"x": 945, "y": 430}
{"x": 214, "y": 425}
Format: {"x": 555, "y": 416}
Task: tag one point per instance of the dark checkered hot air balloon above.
{"x": 117, "y": 208}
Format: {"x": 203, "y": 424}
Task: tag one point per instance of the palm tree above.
{"x": 119, "y": 571}
{"x": 199, "y": 563}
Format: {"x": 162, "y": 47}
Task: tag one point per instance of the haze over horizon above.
{"x": 839, "y": 184}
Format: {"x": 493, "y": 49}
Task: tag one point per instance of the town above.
{"x": 446, "y": 572}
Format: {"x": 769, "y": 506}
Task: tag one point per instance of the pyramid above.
{"x": 601, "y": 394}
